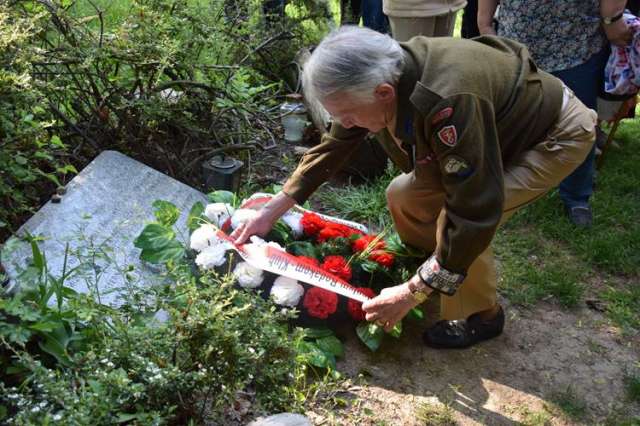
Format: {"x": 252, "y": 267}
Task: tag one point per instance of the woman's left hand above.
{"x": 390, "y": 306}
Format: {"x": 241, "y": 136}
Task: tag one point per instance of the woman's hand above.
{"x": 267, "y": 216}
{"x": 390, "y": 306}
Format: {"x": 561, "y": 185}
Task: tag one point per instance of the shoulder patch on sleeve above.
{"x": 448, "y": 135}
{"x": 456, "y": 165}
{"x": 441, "y": 115}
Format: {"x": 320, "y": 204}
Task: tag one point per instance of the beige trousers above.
{"x": 433, "y": 26}
{"x": 417, "y": 205}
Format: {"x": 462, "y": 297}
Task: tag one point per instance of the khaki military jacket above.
{"x": 466, "y": 110}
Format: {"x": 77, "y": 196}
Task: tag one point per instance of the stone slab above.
{"x": 104, "y": 209}
{"x": 282, "y": 419}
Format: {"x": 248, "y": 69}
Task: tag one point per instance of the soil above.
{"x": 546, "y": 355}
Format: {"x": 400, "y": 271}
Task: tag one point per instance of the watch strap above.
{"x": 438, "y": 278}
{"x": 608, "y": 20}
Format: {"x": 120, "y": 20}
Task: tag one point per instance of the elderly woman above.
{"x": 478, "y": 132}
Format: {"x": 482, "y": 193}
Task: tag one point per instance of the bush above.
{"x": 87, "y": 363}
{"x": 169, "y": 83}
{"x": 32, "y": 156}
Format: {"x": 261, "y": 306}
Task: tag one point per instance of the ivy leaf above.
{"x": 221, "y": 196}
{"x": 370, "y": 334}
{"x": 303, "y": 248}
{"x": 68, "y": 168}
{"x": 314, "y": 355}
{"x": 317, "y": 332}
{"x": 166, "y": 213}
{"x": 275, "y": 188}
{"x": 369, "y": 266}
{"x": 416, "y": 313}
{"x": 397, "y": 247}
{"x": 172, "y": 251}
{"x": 332, "y": 345}
{"x": 279, "y": 233}
{"x": 154, "y": 237}
{"x": 57, "y": 142}
{"x": 396, "y": 331}
{"x": 193, "y": 220}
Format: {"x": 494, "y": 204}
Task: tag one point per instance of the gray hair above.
{"x": 352, "y": 60}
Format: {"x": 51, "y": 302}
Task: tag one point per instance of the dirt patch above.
{"x": 544, "y": 356}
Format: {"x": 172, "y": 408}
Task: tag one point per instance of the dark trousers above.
{"x": 586, "y": 81}
{"x": 470, "y": 20}
{"x": 371, "y": 12}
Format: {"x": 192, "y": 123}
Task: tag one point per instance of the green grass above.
{"x": 570, "y": 404}
{"x": 613, "y": 244}
{"x": 623, "y": 306}
{"x": 534, "y": 418}
{"x": 365, "y": 203}
{"x": 532, "y": 268}
{"x": 632, "y": 386}
{"x": 435, "y": 415}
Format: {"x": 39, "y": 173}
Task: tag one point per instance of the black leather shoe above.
{"x": 459, "y": 334}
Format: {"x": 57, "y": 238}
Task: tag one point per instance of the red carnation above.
{"x": 355, "y": 308}
{"x": 337, "y": 265}
{"x": 333, "y": 230}
{"x": 309, "y": 260}
{"x": 365, "y": 241}
{"x": 320, "y": 302}
{"x": 382, "y": 257}
{"x": 312, "y": 223}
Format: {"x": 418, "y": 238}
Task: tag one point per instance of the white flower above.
{"x": 286, "y": 291}
{"x": 212, "y": 256}
{"x": 242, "y": 216}
{"x": 259, "y": 241}
{"x": 247, "y": 275}
{"x": 218, "y": 213}
{"x": 293, "y": 221}
{"x": 204, "y": 237}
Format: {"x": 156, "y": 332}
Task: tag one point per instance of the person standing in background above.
{"x": 567, "y": 38}
{"x": 470, "y": 20}
{"x": 371, "y": 11}
{"x": 431, "y": 18}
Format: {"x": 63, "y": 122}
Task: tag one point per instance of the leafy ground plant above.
{"x": 195, "y": 348}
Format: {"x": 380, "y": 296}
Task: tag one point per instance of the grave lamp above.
{"x": 222, "y": 172}
{"x": 293, "y": 117}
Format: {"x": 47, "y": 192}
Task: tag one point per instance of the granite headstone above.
{"x": 104, "y": 209}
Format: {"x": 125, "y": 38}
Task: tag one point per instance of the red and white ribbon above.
{"x": 272, "y": 259}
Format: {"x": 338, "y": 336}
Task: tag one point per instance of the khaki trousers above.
{"x": 433, "y": 26}
{"x": 416, "y": 206}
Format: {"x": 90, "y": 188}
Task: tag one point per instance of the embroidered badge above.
{"x": 441, "y": 115}
{"x": 448, "y": 135}
{"x": 454, "y": 165}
